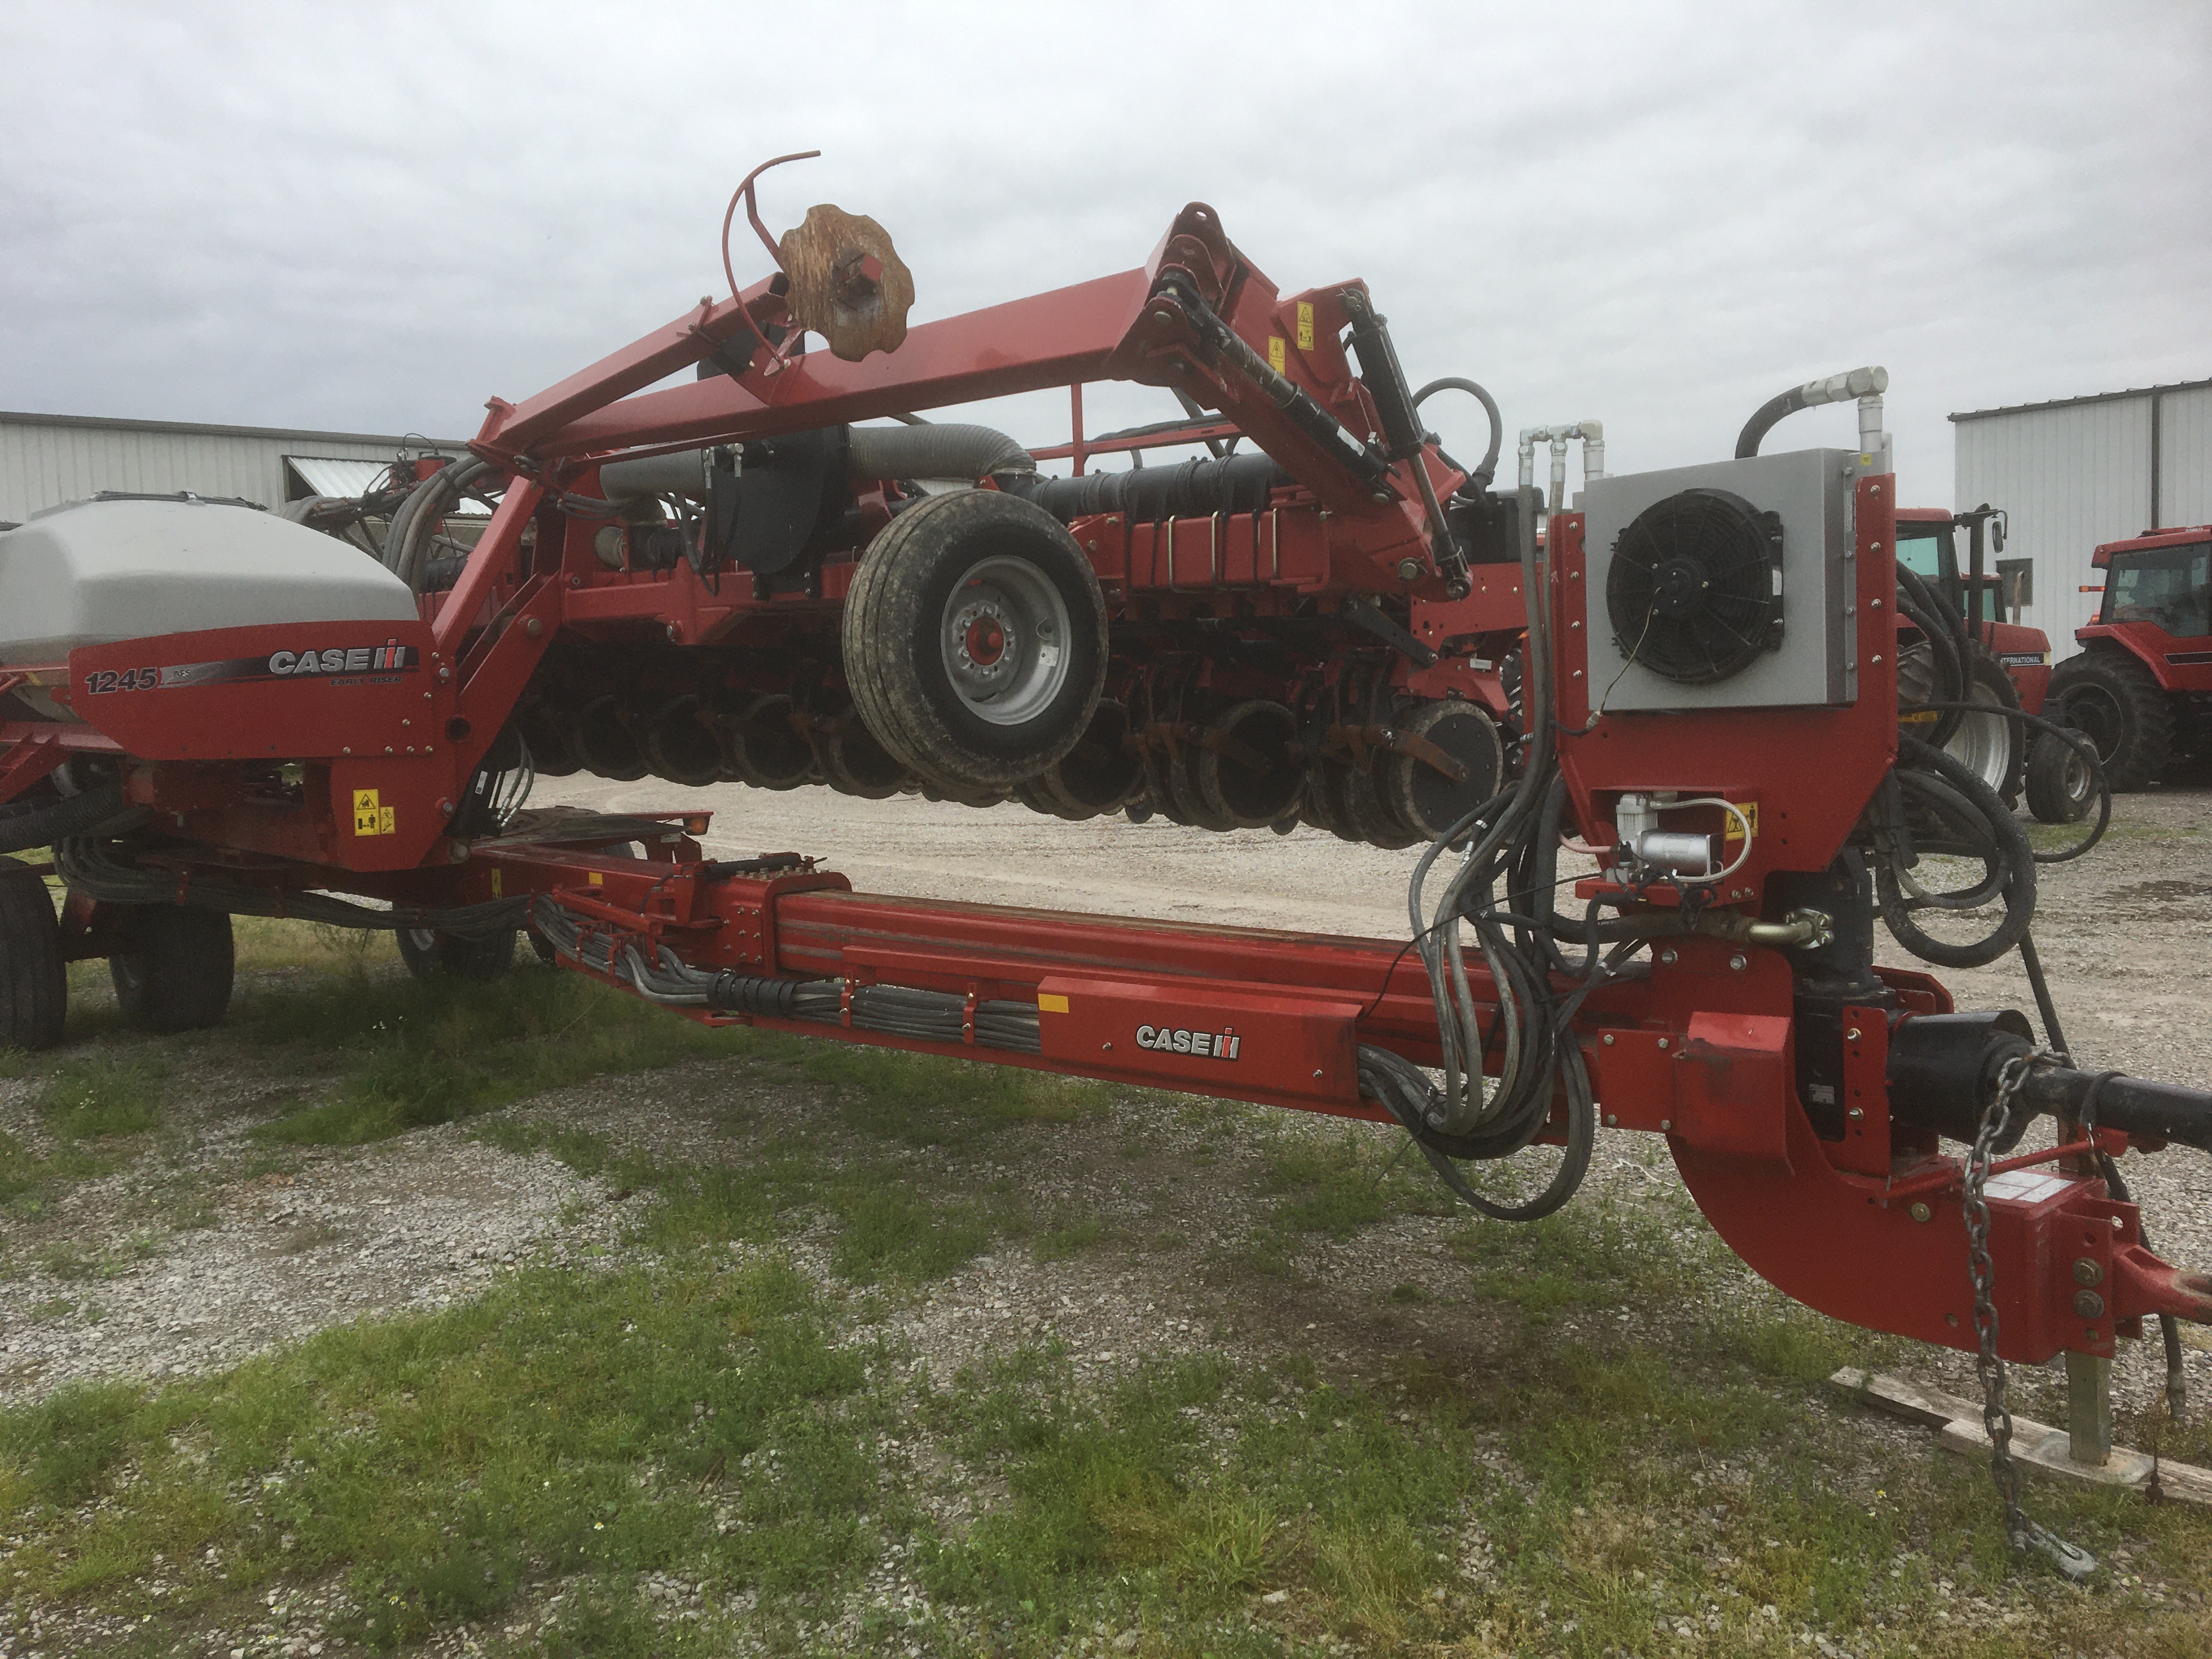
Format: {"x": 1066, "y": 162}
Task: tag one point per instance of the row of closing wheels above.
{"x": 973, "y": 644}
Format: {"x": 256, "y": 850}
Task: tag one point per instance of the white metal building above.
{"x": 2081, "y": 471}
{"x": 47, "y": 459}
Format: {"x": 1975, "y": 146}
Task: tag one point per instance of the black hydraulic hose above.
{"x": 2078, "y": 742}
{"x": 2009, "y": 842}
{"x": 1946, "y": 643}
{"x": 1488, "y": 470}
{"x": 26, "y": 825}
{"x": 1769, "y": 415}
{"x": 405, "y": 539}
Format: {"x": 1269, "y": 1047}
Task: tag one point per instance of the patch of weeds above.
{"x": 101, "y": 1095}
{"x": 313, "y": 1236}
{"x": 1601, "y": 1255}
{"x": 17, "y": 1062}
{"x": 892, "y": 1231}
{"x": 53, "y": 1310}
{"x": 1339, "y": 1184}
{"x": 271, "y": 943}
{"x": 67, "y": 1260}
{"x": 1409, "y": 1293}
{"x": 1064, "y": 1243}
{"x": 1168, "y": 1240}
{"x": 927, "y": 1100}
{"x": 1267, "y": 1254}
{"x": 591, "y": 1428}
{"x": 20, "y": 1170}
{"x": 28, "y": 1183}
{"x": 904, "y": 1235}
{"x": 416, "y": 1053}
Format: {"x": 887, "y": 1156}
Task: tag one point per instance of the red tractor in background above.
{"x": 2008, "y": 664}
{"x": 2141, "y": 688}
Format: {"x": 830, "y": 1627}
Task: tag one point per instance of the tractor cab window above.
{"x": 1926, "y": 550}
{"x": 2171, "y": 588}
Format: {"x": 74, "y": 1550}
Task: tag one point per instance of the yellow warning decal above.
{"x": 1305, "y": 325}
{"x": 1750, "y": 810}
{"x": 1051, "y": 1002}
{"x": 495, "y": 874}
{"x": 596, "y": 878}
{"x": 368, "y": 817}
{"x": 1276, "y": 353}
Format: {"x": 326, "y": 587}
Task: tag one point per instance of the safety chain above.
{"x": 1996, "y": 1413}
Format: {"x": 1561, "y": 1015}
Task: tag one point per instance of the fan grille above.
{"x": 1694, "y": 593}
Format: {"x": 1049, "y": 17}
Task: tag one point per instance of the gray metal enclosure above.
{"x": 2082, "y": 470}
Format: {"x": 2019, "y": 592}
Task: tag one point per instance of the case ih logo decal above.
{"x": 353, "y": 660}
{"x": 1213, "y": 1045}
{"x": 353, "y": 664}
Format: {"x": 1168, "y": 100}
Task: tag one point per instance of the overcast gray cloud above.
{"x": 373, "y": 217}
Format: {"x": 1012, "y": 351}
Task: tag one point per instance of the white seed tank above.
{"x": 101, "y": 571}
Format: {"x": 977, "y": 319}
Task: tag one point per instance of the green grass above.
{"x": 706, "y": 1412}
{"x": 715, "y": 1417}
{"x": 99, "y": 1094}
{"x": 2049, "y": 837}
{"x": 558, "y": 1426}
{"x": 1339, "y": 1182}
{"x": 414, "y": 1053}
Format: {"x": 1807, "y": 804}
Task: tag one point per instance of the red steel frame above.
{"x": 348, "y": 781}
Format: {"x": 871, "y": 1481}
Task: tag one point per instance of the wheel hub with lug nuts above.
{"x": 1004, "y": 640}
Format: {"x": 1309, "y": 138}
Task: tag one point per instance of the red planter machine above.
{"x": 1724, "y": 999}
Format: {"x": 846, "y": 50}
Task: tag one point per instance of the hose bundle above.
{"x": 1932, "y": 803}
{"x": 1529, "y": 1035}
{"x": 887, "y": 1010}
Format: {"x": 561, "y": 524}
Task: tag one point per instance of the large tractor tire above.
{"x": 1994, "y": 746}
{"x": 175, "y": 974}
{"x": 975, "y": 640}
{"x": 33, "y": 984}
{"x": 2113, "y": 700}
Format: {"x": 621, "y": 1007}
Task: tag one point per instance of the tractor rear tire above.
{"x": 975, "y": 640}
{"x": 2114, "y": 701}
{"x": 2060, "y": 785}
{"x": 432, "y": 955}
{"x": 33, "y": 983}
{"x": 176, "y": 974}
{"x": 1992, "y": 744}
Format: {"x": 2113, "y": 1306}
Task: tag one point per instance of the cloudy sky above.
{"x": 371, "y": 217}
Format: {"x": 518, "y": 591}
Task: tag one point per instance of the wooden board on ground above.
{"x": 2037, "y": 1447}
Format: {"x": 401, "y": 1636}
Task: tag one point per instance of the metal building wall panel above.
{"x": 2068, "y": 478}
{"x": 44, "y": 464}
{"x": 2184, "y": 456}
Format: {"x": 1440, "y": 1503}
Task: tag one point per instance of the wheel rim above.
{"x": 1983, "y": 742}
{"x": 2074, "y": 780}
{"x": 1004, "y": 639}
{"x": 2095, "y": 714}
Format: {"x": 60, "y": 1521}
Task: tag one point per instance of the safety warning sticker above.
{"x": 371, "y": 818}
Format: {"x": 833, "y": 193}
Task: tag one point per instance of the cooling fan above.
{"x": 1694, "y": 589}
